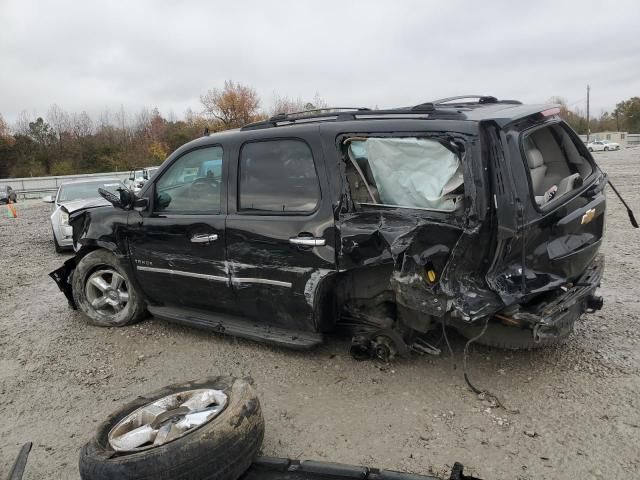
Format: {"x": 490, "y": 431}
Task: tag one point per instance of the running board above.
{"x": 239, "y": 327}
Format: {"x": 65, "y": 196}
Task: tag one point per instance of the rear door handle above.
{"x": 204, "y": 238}
{"x": 308, "y": 241}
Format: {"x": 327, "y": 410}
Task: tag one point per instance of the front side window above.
{"x": 192, "y": 184}
{"x": 556, "y": 165}
{"x": 277, "y": 176}
{"x": 408, "y": 172}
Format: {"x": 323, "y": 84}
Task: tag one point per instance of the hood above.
{"x": 83, "y": 203}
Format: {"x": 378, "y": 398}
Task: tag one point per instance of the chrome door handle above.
{"x": 308, "y": 241}
{"x": 204, "y": 238}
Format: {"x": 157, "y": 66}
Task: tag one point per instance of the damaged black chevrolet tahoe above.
{"x": 472, "y": 213}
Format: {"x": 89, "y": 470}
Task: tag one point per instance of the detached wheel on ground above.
{"x": 210, "y": 429}
{"x": 104, "y": 292}
{"x": 507, "y": 337}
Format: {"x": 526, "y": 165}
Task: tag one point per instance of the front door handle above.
{"x": 308, "y": 241}
{"x": 204, "y": 238}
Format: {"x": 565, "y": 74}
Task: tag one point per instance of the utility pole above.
{"x": 588, "y": 129}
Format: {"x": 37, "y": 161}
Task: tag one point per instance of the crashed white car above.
{"x": 602, "y": 145}
{"x": 72, "y": 196}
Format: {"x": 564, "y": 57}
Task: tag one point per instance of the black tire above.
{"x": 508, "y": 337}
{"x": 56, "y": 245}
{"x": 590, "y": 149}
{"x": 606, "y": 149}
{"x": 222, "y": 449}
{"x": 93, "y": 261}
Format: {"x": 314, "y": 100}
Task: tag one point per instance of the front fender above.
{"x": 99, "y": 227}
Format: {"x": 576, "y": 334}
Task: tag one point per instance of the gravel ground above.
{"x": 578, "y": 404}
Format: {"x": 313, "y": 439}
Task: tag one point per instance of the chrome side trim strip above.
{"x": 214, "y": 278}
{"x": 264, "y": 281}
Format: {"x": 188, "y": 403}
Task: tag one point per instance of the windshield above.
{"x": 87, "y": 190}
{"x": 407, "y": 172}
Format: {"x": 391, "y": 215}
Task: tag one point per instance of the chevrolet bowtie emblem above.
{"x": 588, "y": 216}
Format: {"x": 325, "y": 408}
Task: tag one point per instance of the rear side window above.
{"x": 406, "y": 172}
{"x": 277, "y": 176}
{"x": 555, "y": 162}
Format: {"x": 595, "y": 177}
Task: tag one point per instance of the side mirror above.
{"x": 48, "y": 199}
{"x": 127, "y": 197}
{"x": 140, "y": 204}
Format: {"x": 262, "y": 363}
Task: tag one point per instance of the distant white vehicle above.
{"x": 602, "y": 145}
{"x": 72, "y": 196}
{"x": 138, "y": 177}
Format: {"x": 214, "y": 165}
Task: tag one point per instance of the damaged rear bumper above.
{"x": 554, "y": 318}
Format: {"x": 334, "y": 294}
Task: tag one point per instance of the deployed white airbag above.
{"x": 414, "y": 172}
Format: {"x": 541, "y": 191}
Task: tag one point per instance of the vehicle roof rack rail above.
{"x": 482, "y": 100}
{"x": 422, "y": 110}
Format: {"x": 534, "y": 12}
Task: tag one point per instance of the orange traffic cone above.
{"x": 11, "y": 210}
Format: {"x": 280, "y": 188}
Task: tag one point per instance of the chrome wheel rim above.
{"x": 166, "y": 419}
{"x": 107, "y": 291}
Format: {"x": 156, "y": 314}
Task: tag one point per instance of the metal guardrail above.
{"x": 35, "y": 187}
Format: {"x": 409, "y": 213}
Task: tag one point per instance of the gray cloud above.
{"x": 92, "y": 55}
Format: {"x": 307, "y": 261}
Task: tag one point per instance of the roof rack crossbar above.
{"x": 481, "y": 99}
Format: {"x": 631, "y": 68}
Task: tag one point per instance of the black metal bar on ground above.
{"x": 18, "y": 467}
{"x": 274, "y": 468}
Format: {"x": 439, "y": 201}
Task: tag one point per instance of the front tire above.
{"x": 223, "y": 448}
{"x": 103, "y": 290}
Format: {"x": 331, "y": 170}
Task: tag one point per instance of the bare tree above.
{"x": 59, "y": 121}
{"x": 21, "y": 125}
{"x": 82, "y": 125}
{"x": 284, "y": 104}
{"x": 233, "y": 106}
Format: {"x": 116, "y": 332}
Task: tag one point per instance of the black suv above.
{"x": 470, "y": 212}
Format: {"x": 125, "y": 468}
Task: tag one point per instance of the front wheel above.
{"x": 590, "y": 149}
{"x": 209, "y": 429}
{"x": 606, "y": 149}
{"x": 104, "y": 292}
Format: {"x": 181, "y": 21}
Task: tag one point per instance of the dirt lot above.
{"x": 579, "y": 404}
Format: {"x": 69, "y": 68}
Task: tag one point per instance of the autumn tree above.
{"x": 7, "y": 153}
{"x": 628, "y": 113}
{"x": 233, "y": 106}
{"x": 5, "y": 133}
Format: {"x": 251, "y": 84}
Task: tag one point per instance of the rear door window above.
{"x": 277, "y": 177}
{"x": 555, "y": 161}
{"x": 410, "y": 172}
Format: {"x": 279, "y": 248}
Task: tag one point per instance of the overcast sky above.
{"x": 89, "y": 55}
